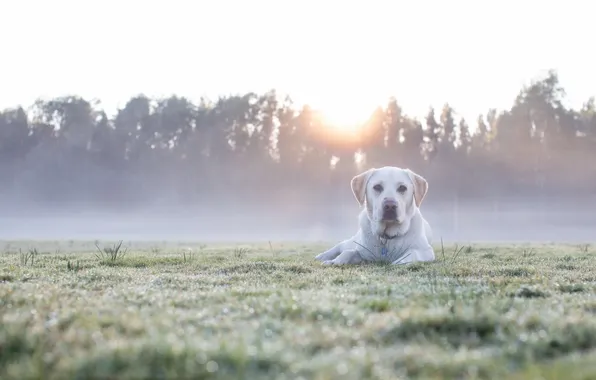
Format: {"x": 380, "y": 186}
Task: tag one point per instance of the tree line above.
{"x": 245, "y": 148}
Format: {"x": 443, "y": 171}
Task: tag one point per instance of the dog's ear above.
{"x": 420, "y": 186}
{"x": 359, "y": 185}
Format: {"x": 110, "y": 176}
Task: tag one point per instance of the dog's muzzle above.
{"x": 389, "y": 210}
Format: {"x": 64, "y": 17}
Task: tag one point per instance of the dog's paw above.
{"x": 320, "y": 256}
{"x": 334, "y": 262}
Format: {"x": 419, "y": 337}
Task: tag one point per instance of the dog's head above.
{"x": 391, "y": 196}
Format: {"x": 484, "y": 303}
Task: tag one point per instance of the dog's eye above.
{"x": 402, "y": 189}
{"x": 378, "y": 188}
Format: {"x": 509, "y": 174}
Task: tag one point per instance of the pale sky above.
{"x": 342, "y": 57}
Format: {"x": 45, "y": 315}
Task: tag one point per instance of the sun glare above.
{"x": 348, "y": 116}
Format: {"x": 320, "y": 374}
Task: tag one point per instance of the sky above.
{"x": 344, "y": 58}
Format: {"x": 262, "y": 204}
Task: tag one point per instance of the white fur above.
{"x": 412, "y": 231}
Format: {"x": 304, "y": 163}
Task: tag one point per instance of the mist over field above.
{"x": 457, "y": 221}
{"x": 256, "y": 167}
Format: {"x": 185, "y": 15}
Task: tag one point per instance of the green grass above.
{"x": 271, "y": 311}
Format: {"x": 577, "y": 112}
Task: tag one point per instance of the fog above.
{"x": 257, "y": 167}
{"x": 503, "y": 220}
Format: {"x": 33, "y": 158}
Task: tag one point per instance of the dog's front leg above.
{"x": 331, "y": 253}
{"x": 408, "y": 257}
{"x": 415, "y": 255}
{"x": 349, "y": 256}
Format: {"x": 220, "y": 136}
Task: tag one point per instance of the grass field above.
{"x": 271, "y": 311}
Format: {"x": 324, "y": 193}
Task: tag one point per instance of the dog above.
{"x": 392, "y": 228}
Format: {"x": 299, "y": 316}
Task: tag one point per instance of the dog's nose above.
{"x": 389, "y": 209}
{"x": 389, "y": 205}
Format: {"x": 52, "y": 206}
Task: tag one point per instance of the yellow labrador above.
{"x": 392, "y": 228}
